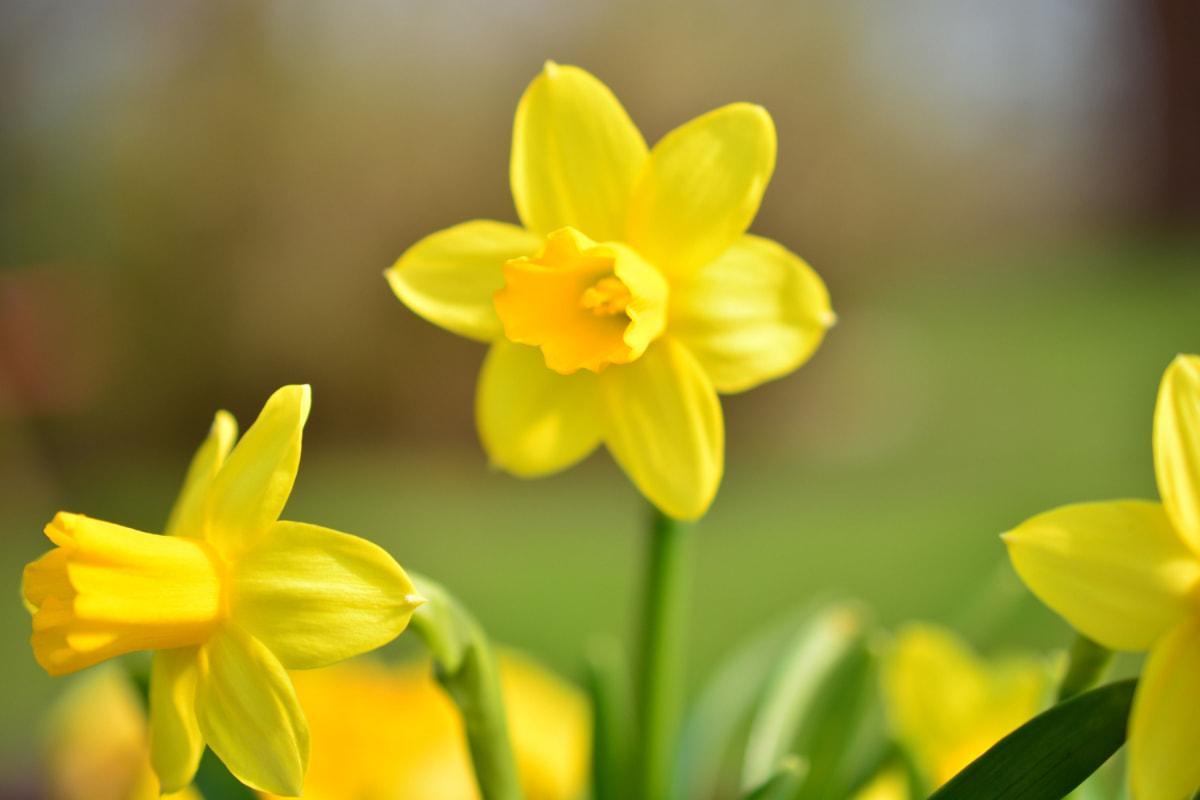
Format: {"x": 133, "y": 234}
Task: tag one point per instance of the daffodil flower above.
{"x": 229, "y": 599}
{"x": 360, "y": 752}
{"x": 631, "y": 295}
{"x": 1126, "y": 573}
{"x": 947, "y": 706}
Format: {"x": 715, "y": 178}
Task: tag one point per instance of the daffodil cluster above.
{"x": 229, "y": 599}
{"x": 630, "y": 295}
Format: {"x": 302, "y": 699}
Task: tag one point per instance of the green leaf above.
{"x": 722, "y": 710}
{"x": 608, "y": 685}
{"x": 782, "y": 785}
{"x": 826, "y": 644}
{"x": 1051, "y": 754}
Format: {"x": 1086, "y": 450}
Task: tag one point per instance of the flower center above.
{"x": 586, "y": 305}
{"x": 107, "y": 590}
{"x": 606, "y": 297}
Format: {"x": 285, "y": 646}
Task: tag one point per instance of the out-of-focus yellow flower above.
{"x": 631, "y": 296}
{"x": 96, "y": 745}
{"x": 947, "y": 707}
{"x": 1126, "y": 573}
{"x": 228, "y": 598}
{"x": 360, "y": 751}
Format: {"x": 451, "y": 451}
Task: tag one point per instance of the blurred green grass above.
{"x": 939, "y": 413}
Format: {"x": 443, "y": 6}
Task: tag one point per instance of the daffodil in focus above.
{"x": 630, "y": 295}
{"x": 96, "y": 744}
{"x": 947, "y": 706}
{"x": 359, "y": 751}
{"x": 1126, "y": 573}
{"x": 229, "y": 599}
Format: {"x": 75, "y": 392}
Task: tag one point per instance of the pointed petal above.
{"x": 249, "y": 714}
{"x": 1117, "y": 571}
{"x": 175, "y": 741}
{"x": 1177, "y": 446}
{"x": 249, "y": 492}
{"x": 449, "y": 277}
{"x": 755, "y": 313}
{"x": 187, "y": 517}
{"x": 575, "y": 155}
{"x": 532, "y": 420}
{"x": 701, "y": 187}
{"x": 1164, "y": 730}
{"x": 664, "y": 427}
{"x": 314, "y": 596}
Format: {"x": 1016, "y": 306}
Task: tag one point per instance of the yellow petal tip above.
{"x": 550, "y": 68}
{"x": 415, "y": 600}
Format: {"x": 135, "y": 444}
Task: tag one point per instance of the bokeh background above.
{"x": 197, "y": 200}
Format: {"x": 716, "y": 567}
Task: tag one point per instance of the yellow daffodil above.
{"x": 631, "y": 295}
{"x": 1126, "y": 573}
{"x": 97, "y": 746}
{"x": 359, "y": 751}
{"x": 947, "y": 706}
{"x": 227, "y": 599}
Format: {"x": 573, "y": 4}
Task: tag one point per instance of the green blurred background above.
{"x": 197, "y": 200}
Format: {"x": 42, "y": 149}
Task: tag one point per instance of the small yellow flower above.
{"x": 96, "y": 744}
{"x": 1126, "y": 573}
{"x": 947, "y": 707}
{"x": 359, "y": 751}
{"x": 631, "y": 296}
{"x": 227, "y": 599}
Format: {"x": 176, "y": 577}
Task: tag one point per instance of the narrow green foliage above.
{"x": 817, "y": 653}
{"x": 608, "y": 686}
{"x": 783, "y": 783}
{"x": 1047, "y": 757}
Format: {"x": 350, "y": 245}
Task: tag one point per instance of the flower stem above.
{"x": 466, "y": 668}
{"x": 1086, "y": 664}
{"x": 660, "y": 674}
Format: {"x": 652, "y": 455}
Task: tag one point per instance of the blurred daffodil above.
{"x": 359, "y": 751}
{"x": 631, "y": 295}
{"x": 947, "y": 706}
{"x": 1126, "y": 573}
{"x": 96, "y": 744}
{"x": 227, "y": 599}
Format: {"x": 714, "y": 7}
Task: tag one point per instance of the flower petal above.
{"x": 187, "y": 517}
{"x": 1177, "y": 446}
{"x": 1117, "y": 571}
{"x": 947, "y": 705}
{"x": 449, "y": 277}
{"x": 175, "y": 741}
{"x": 249, "y": 714}
{"x": 664, "y": 427}
{"x": 252, "y": 487}
{"x": 532, "y": 420}
{"x": 755, "y": 313}
{"x": 575, "y": 155}
{"x": 1164, "y": 730}
{"x": 314, "y": 596}
{"x": 701, "y": 187}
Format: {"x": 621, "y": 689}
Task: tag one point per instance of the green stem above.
{"x": 1086, "y": 664}
{"x": 466, "y": 668}
{"x": 660, "y": 676}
